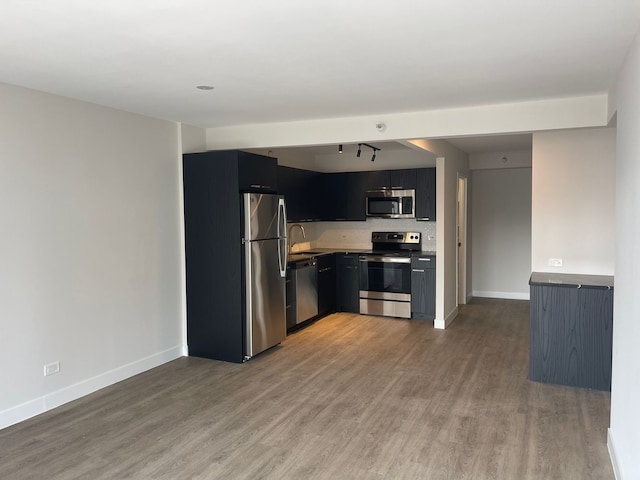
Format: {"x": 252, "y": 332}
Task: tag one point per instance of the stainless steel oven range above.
{"x": 385, "y": 274}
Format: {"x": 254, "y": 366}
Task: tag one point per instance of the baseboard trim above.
{"x": 47, "y": 402}
{"x": 442, "y": 324}
{"x": 503, "y": 295}
{"x": 612, "y": 456}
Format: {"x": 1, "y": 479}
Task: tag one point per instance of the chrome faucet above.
{"x": 291, "y": 242}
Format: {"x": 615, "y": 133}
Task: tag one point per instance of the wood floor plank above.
{"x": 350, "y": 396}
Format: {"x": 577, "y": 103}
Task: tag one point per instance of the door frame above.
{"x": 462, "y": 214}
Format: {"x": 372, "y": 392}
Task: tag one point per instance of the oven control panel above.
{"x": 396, "y": 237}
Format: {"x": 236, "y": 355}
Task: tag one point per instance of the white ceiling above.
{"x": 290, "y": 60}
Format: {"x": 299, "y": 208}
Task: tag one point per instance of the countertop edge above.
{"x": 575, "y": 280}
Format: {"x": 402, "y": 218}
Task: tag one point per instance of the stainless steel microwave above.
{"x": 389, "y": 203}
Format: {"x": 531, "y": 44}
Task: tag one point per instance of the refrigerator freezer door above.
{"x": 261, "y": 216}
{"x": 265, "y": 296}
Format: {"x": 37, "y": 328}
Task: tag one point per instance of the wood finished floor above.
{"x": 350, "y": 397}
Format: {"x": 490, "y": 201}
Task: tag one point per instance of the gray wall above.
{"x": 501, "y": 240}
{"x": 91, "y": 248}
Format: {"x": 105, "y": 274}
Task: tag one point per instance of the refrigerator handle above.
{"x": 282, "y": 218}
{"x": 282, "y": 238}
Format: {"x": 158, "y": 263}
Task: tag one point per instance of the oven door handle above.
{"x": 385, "y": 259}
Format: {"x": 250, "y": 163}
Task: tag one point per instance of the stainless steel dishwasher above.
{"x": 304, "y": 283}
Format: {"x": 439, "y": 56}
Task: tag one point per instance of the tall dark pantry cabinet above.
{"x": 213, "y": 182}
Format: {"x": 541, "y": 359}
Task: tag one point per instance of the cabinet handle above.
{"x": 424, "y": 259}
{"x": 417, "y": 270}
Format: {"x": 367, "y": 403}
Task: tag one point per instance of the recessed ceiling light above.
{"x": 205, "y": 87}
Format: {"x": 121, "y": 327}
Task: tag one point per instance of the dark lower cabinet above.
{"x": 326, "y": 285}
{"x": 571, "y": 321}
{"x": 423, "y": 287}
{"x": 347, "y": 282}
{"x": 290, "y": 305}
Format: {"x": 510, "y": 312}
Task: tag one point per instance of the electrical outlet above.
{"x": 51, "y": 368}
{"x": 555, "y": 262}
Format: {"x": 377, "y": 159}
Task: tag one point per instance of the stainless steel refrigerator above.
{"x": 265, "y": 264}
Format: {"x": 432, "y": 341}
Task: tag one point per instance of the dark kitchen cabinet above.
{"x": 423, "y": 287}
{"x": 571, "y": 327}
{"x": 426, "y": 194}
{"x": 299, "y": 188}
{"x": 376, "y": 180}
{"x": 356, "y": 185}
{"x": 330, "y": 196}
{"x": 403, "y": 179}
{"x": 256, "y": 173}
{"x": 290, "y": 305}
{"x": 347, "y": 282}
{"x": 213, "y": 261}
{"x": 326, "y": 285}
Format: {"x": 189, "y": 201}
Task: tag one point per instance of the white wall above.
{"x": 91, "y": 258}
{"x": 194, "y": 139}
{"x": 624, "y": 434}
{"x": 573, "y": 112}
{"x": 573, "y": 215}
{"x": 501, "y": 241}
{"x": 501, "y": 159}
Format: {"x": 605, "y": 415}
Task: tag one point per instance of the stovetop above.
{"x": 395, "y": 243}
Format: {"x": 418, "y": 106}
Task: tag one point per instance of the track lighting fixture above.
{"x": 359, "y": 152}
{"x": 375, "y": 149}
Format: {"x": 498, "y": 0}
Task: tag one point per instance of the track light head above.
{"x": 339, "y": 148}
{"x": 373, "y": 158}
{"x": 359, "y": 150}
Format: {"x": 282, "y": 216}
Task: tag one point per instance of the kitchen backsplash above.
{"x": 357, "y": 235}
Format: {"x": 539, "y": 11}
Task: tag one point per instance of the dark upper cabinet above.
{"x": 341, "y": 196}
{"x": 257, "y": 173}
{"x": 299, "y": 188}
{"x": 355, "y": 197}
{"x": 376, "y": 179}
{"x": 397, "y": 179}
{"x": 426, "y": 194}
{"x": 332, "y": 196}
{"x": 403, "y": 179}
